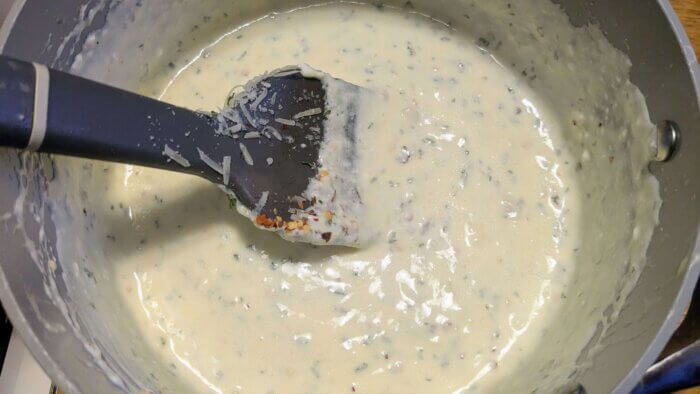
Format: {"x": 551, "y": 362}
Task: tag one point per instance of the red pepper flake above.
{"x": 263, "y": 220}
{"x": 611, "y": 158}
{"x": 326, "y": 236}
{"x": 353, "y": 389}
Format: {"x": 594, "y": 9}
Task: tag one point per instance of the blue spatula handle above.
{"x": 679, "y": 371}
{"x": 51, "y": 111}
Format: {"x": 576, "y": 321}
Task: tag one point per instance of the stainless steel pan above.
{"x": 664, "y": 67}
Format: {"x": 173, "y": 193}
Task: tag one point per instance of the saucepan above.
{"x": 84, "y": 354}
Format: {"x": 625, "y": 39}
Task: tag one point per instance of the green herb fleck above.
{"x": 232, "y": 202}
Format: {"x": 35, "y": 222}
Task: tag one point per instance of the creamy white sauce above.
{"x": 504, "y": 173}
{"x": 472, "y": 233}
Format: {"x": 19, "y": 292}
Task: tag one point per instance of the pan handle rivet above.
{"x": 668, "y": 139}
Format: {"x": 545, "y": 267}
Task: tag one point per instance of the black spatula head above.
{"x": 277, "y": 123}
{"x": 271, "y": 132}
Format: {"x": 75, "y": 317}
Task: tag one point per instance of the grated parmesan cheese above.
{"x": 258, "y": 100}
{"x": 235, "y": 128}
{"x": 227, "y": 169}
{"x": 246, "y": 114}
{"x": 231, "y": 115}
{"x": 284, "y": 73}
{"x": 209, "y": 162}
{"x": 246, "y": 155}
{"x": 286, "y": 122}
{"x": 274, "y": 132}
{"x": 175, "y": 156}
{"x": 262, "y": 201}
{"x": 308, "y": 112}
